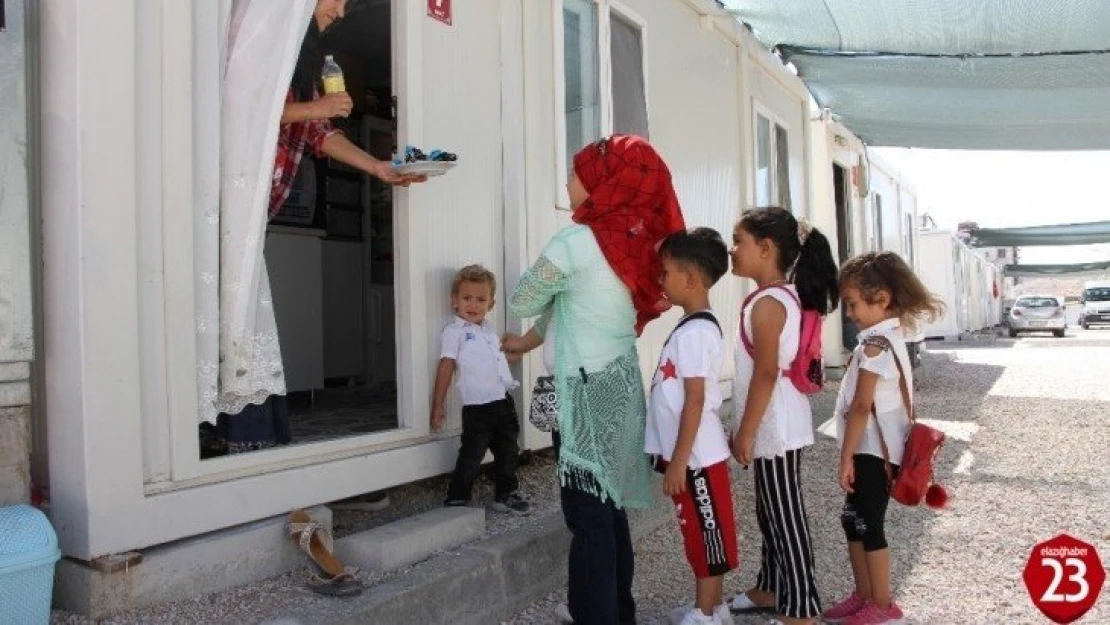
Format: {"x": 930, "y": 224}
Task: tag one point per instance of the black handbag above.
{"x": 544, "y": 411}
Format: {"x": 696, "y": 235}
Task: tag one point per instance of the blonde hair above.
{"x": 474, "y": 273}
{"x": 910, "y": 301}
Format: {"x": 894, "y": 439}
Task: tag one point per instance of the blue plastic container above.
{"x": 28, "y": 553}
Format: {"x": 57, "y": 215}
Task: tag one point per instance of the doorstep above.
{"x": 485, "y": 581}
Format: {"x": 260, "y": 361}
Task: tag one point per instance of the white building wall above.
{"x": 119, "y": 391}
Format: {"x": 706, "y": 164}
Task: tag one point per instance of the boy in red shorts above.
{"x": 684, "y": 431}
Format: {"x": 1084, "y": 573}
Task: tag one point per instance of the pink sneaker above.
{"x": 847, "y": 607}
{"x": 872, "y": 614}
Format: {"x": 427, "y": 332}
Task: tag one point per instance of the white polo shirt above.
{"x": 694, "y": 350}
{"x": 481, "y": 372}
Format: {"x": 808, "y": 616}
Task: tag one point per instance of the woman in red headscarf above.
{"x": 594, "y": 288}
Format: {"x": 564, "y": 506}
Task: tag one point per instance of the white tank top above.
{"x": 788, "y": 422}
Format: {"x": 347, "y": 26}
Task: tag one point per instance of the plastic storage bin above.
{"x": 28, "y": 553}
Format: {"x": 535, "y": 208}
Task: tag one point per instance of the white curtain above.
{"x": 238, "y": 357}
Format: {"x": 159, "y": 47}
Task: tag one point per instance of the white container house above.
{"x": 128, "y": 152}
{"x": 862, "y": 204}
{"x": 963, "y": 279}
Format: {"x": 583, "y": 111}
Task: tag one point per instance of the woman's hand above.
{"x": 384, "y": 171}
{"x": 847, "y": 475}
{"x": 674, "y": 480}
{"x": 515, "y": 346}
{"x": 337, "y": 104}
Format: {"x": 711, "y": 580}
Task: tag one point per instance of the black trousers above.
{"x": 601, "y": 563}
{"x": 864, "y": 514}
{"x": 494, "y": 427}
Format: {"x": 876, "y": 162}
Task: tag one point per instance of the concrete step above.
{"x": 410, "y": 540}
{"x": 480, "y": 583}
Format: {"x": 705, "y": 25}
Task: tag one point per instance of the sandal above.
{"x": 334, "y": 579}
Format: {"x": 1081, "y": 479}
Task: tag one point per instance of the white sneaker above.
{"x": 741, "y": 604}
{"x": 721, "y": 615}
{"x": 694, "y": 616}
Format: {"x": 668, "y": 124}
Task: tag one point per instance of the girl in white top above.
{"x": 881, "y": 294}
{"x": 774, "y": 419}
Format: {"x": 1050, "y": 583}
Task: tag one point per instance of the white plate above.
{"x": 425, "y": 168}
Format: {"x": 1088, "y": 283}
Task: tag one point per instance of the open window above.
{"x": 604, "y": 80}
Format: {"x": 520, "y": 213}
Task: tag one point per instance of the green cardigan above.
{"x": 602, "y": 404}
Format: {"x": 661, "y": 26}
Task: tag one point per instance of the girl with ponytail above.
{"x": 793, "y": 269}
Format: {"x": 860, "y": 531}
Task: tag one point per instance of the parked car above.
{"x": 1096, "y": 304}
{"x": 1038, "y": 313}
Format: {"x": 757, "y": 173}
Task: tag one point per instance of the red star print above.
{"x": 668, "y": 370}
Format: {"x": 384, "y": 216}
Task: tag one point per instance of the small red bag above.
{"x": 914, "y": 482}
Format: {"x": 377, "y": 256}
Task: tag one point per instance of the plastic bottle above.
{"x": 333, "y": 76}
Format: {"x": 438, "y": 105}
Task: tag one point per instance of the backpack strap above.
{"x": 884, "y": 344}
{"x": 748, "y": 300}
{"x": 701, "y": 314}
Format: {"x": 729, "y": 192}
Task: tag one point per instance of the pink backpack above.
{"x": 807, "y": 370}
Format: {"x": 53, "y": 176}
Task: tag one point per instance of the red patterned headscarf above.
{"x": 631, "y": 208}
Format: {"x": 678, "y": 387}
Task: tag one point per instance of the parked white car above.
{"x": 1038, "y": 313}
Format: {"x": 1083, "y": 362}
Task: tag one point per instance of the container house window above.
{"x": 580, "y": 70}
{"x": 604, "y": 88}
{"x": 772, "y": 157}
{"x": 629, "y": 90}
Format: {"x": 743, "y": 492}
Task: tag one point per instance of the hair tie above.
{"x": 803, "y": 231}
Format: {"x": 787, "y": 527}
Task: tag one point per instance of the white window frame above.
{"x": 606, "y": 9}
{"x": 760, "y": 110}
{"x": 876, "y": 221}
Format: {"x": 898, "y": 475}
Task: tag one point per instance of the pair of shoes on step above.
{"x": 332, "y": 577}
{"x": 690, "y": 615}
{"x": 853, "y": 610}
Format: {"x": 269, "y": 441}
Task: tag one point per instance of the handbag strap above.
{"x": 884, "y": 344}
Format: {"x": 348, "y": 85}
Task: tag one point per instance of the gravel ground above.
{"x": 1026, "y": 459}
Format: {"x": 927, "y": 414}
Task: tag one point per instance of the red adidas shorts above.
{"x": 707, "y": 521}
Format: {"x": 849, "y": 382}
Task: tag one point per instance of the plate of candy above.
{"x": 417, "y": 163}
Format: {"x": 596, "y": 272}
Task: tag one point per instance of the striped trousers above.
{"x": 786, "y": 567}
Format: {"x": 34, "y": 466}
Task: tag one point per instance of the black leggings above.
{"x": 865, "y": 509}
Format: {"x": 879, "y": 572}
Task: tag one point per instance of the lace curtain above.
{"x": 238, "y": 356}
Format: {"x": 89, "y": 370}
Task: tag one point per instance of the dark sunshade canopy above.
{"x": 1066, "y": 234}
{"x": 1080, "y": 269}
{"x": 960, "y": 74}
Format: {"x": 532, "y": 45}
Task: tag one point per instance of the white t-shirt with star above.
{"x": 694, "y": 350}
{"x": 482, "y": 374}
